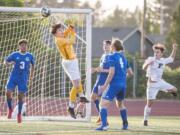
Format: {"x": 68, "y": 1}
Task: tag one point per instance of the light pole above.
{"x": 142, "y": 49}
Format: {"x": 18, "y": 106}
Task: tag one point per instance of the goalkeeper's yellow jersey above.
{"x": 65, "y": 45}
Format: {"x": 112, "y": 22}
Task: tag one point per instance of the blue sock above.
{"x": 20, "y": 103}
{"x": 97, "y": 104}
{"x": 103, "y": 114}
{"x": 123, "y": 114}
{"x": 9, "y": 103}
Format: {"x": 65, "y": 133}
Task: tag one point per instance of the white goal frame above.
{"x": 88, "y": 14}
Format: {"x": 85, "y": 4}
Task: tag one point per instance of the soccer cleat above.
{"x": 125, "y": 125}
{"x": 102, "y": 128}
{"x": 19, "y": 118}
{"x": 9, "y": 115}
{"x": 145, "y": 123}
{"x": 71, "y": 112}
{"x": 84, "y": 100}
{"x": 174, "y": 94}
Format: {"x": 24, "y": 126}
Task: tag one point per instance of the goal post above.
{"x": 48, "y": 95}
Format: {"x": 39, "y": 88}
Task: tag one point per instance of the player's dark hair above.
{"x": 55, "y": 27}
{"x": 118, "y": 45}
{"x": 108, "y": 42}
{"x": 22, "y": 41}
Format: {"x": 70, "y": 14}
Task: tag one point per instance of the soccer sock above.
{"x": 71, "y": 104}
{"x": 72, "y": 94}
{"x": 123, "y": 113}
{"x": 147, "y": 111}
{"x": 80, "y": 90}
{"x": 97, "y": 104}
{"x": 20, "y": 104}
{"x": 9, "y": 103}
{"x": 103, "y": 114}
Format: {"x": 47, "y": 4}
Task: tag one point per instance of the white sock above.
{"x": 81, "y": 95}
{"x": 147, "y": 111}
{"x": 71, "y": 104}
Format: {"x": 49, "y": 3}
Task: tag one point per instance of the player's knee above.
{"x": 9, "y": 94}
{"x": 20, "y": 97}
{"x": 174, "y": 89}
{"x": 120, "y": 105}
{"x": 76, "y": 83}
{"x": 104, "y": 103}
{"x": 149, "y": 103}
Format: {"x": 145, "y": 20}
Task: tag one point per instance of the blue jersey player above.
{"x": 115, "y": 85}
{"x": 22, "y": 72}
{"x": 102, "y": 73}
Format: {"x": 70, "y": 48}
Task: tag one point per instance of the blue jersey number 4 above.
{"x": 121, "y": 63}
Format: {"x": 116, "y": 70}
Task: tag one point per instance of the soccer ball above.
{"x": 45, "y": 11}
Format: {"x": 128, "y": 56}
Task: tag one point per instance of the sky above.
{"x": 122, "y": 4}
{"x": 108, "y": 6}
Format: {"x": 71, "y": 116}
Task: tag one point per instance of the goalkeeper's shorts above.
{"x": 71, "y": 67}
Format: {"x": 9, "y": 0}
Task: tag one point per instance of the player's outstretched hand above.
{"x": 93, "y": 70}
{"x": 99, "y": 69}
{"x": 174, "y": 45}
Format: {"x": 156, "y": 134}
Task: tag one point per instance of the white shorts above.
{"x": 154, "y": 88}
{"x": 71, "y": 67}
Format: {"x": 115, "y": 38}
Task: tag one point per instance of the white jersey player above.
{"x": 154, "y": 67}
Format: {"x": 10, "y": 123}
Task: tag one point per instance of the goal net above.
{"x": 48, "y": 94}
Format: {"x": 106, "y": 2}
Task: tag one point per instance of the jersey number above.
{"x": 22, "y": 65}
{"x": 160, "y": 65}
{"x": 121, "y": 63}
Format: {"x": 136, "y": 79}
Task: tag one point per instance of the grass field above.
{"x": 157, "y": 126}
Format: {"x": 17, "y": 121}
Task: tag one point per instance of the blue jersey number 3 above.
{"x": 22, "y": 65}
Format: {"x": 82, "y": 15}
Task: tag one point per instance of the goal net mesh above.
{"x": 48, "y": 94}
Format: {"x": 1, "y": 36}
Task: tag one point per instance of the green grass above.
{"x": 157, "y": 126}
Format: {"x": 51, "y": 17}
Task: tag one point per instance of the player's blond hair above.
{"x": 22, "y": 41}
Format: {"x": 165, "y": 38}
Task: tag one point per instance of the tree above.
{"x": 159, "y": 13}
{"x": 12, "y": 3}
{"x": 121, "y": 18}
{"x": 174, "y": 33}
{"x": 54, "y": 3}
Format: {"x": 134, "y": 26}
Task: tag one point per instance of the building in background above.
{"x": 130, "y": 36}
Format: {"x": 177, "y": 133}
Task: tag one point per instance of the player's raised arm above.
{"x": 173, "y": 53}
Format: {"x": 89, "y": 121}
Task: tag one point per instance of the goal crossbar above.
{"x": 53, "y": 10}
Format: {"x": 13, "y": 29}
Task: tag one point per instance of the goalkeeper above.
{"x": 64, "y": 40}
